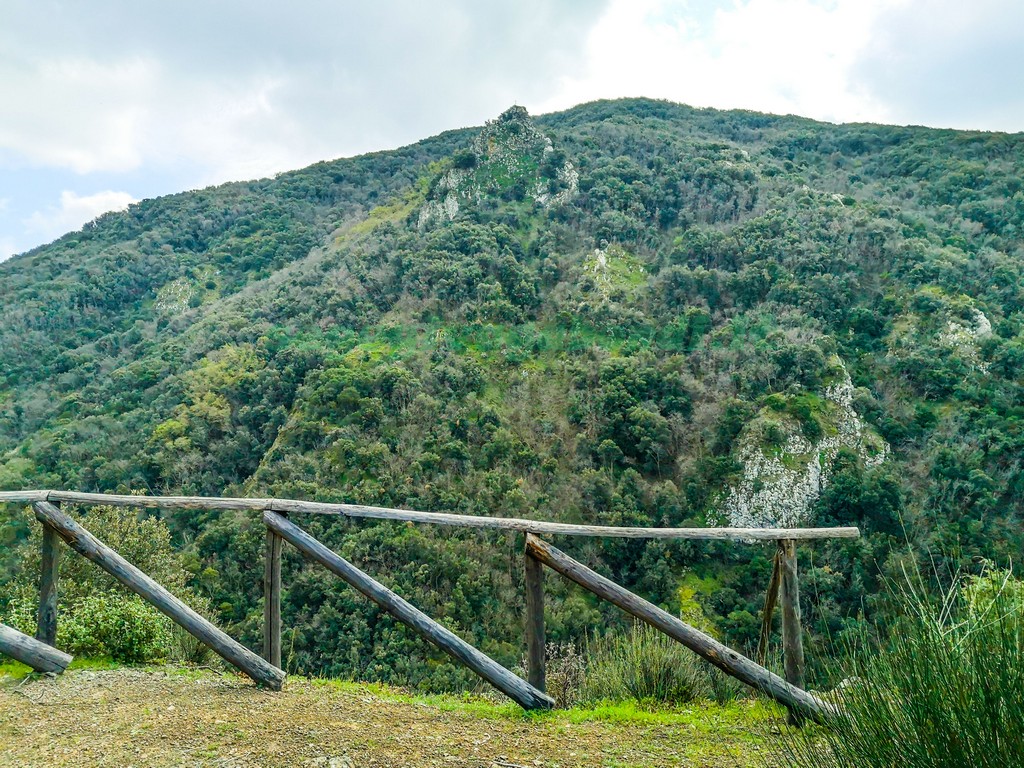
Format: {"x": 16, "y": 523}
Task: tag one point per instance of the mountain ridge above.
{"x": 619, "y": 354}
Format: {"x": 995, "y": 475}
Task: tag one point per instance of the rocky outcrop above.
{"x": 962, "y": 338}
{"x": 784, "y": 473}
{"x": 510, "y": 153}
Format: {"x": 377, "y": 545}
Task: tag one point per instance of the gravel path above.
{"x": 148, "y": 718}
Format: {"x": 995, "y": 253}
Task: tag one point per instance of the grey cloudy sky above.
{"x": 111, "y": 101}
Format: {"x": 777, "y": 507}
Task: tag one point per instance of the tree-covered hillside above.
{"x": 632, "y": 312}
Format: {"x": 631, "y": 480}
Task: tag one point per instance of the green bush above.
{"x": 104, "y": 624}
{"x": 565, "y": 674}
{"x": 648, "y": 666}
{"x": 96, "y": 616}
{"x": 946, "y": 689}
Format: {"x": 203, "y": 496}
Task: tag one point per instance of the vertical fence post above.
{"x": 792, "y": 632}
{"x": 770, "y": 601}
{"x": 272, "y": 599}
{"x": 46, "y": 628}
{"x": 535, "y": 637}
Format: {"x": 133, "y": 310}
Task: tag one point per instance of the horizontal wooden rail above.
{"x": 539, "y": 527}
{"x": 705, "y": 646}
{"x": 517, "y": 689}
{"x": 40, "y": 656}
{"x": 93, "y": 549}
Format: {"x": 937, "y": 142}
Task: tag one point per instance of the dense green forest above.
{"x": 630, "y": 313}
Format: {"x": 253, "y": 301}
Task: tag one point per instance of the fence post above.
{"x": 535, "y": 635}
{"x": 272, "y": 599}
{"x": 792, "y": 632}
{"x": 770, "y": 601}
{"x": 705, "y": 646}
{"x": 143, "y": 585}
{"x": 46, "y": 628}
{"x": 517, "y": 689}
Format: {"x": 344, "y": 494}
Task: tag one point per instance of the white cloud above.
{"x": 7, "y": 248}
{"x": 202, "y": 92}
{"x": 75, "y": 112}
{"x": 948, "y": 63}
{"x": 74, "y": 211}
{"x": 240, "y": 89}
{"x": 769, "y": 55}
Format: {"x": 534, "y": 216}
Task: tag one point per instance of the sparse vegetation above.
{"x": 170, "y": 717}
{"x": 649, "y": 668}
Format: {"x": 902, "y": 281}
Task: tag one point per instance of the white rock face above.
{"x": 569, "y": 176}
{"x": 510, "y": 146}
{"x": 963, "y": 338}
{"x": 447, "y": 206}
{"x": 779, "y": 487}
{"x": 174, "y": 297}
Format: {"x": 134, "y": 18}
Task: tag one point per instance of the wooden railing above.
{"x": 530, "y": 693}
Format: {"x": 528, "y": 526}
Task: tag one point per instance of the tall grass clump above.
{"x": 647, "y": 666}
{"x": 946, "y": 689}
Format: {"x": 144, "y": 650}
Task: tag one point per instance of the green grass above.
{"x": 18, "y": 671}
{"x": 395, "y": 211}
{"x": 739, "y": 713}
{"x": 946, "y": 689}
{"x": 699, "y": 714}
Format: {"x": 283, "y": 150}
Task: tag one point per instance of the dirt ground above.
{"x": 174, "y": 718}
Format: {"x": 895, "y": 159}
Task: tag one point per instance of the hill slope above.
{"x": 632, "y": 312}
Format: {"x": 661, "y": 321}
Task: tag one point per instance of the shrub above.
{"x": 565, "y": 674}
{"x": 946, "y": 689}
{"x": 115, "y": 625}
{"x": 96, "y": 616}
{"x": 646, "y": 666}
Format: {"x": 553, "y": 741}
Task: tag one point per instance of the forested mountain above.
{"x": 631, "y": 313}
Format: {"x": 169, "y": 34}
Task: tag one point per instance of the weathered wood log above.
{"x": 726, "y": 659}
{"x": 272, "y": 599}
{"x": 515, "y": 688}
{"x": 46, "y": 620}
{"x": 93, "y": 549}
{"x": 22, "y": 497}
{"x": 38, "y": 655}
{"x": 770, "y": 599}
{"x": 434, "y": 518}
{"x": 157, "y": 502}
{"x": 792, "y": 631}
{"x": 535, "y": 635}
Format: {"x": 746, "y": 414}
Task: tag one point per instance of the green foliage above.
{"x": 591, "y": 358}
{"x": 648, "y": 667}
{"x": 106, "y": 624}
{"x": 98, "y": 618}
{"x": 947, "y": 688}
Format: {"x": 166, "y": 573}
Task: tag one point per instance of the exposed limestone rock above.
{"x": 174, "y": 297}
{"x": 569, "y": 178}
{"x": 958, "y": 327}
{"x": 508, "y": 153}
{"x": 177, "y": 296}
{"x": 781, "y": 482}
{"x": 445, "y": 204}
{"x": 963, "y": 338}
{"x": 614, "y": 268}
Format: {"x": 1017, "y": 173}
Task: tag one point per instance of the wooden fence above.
{"x": 529, "y": 693}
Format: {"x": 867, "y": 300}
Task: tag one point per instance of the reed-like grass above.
{"x": 944, "y": 690}
{"x": 647, "y": 666}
